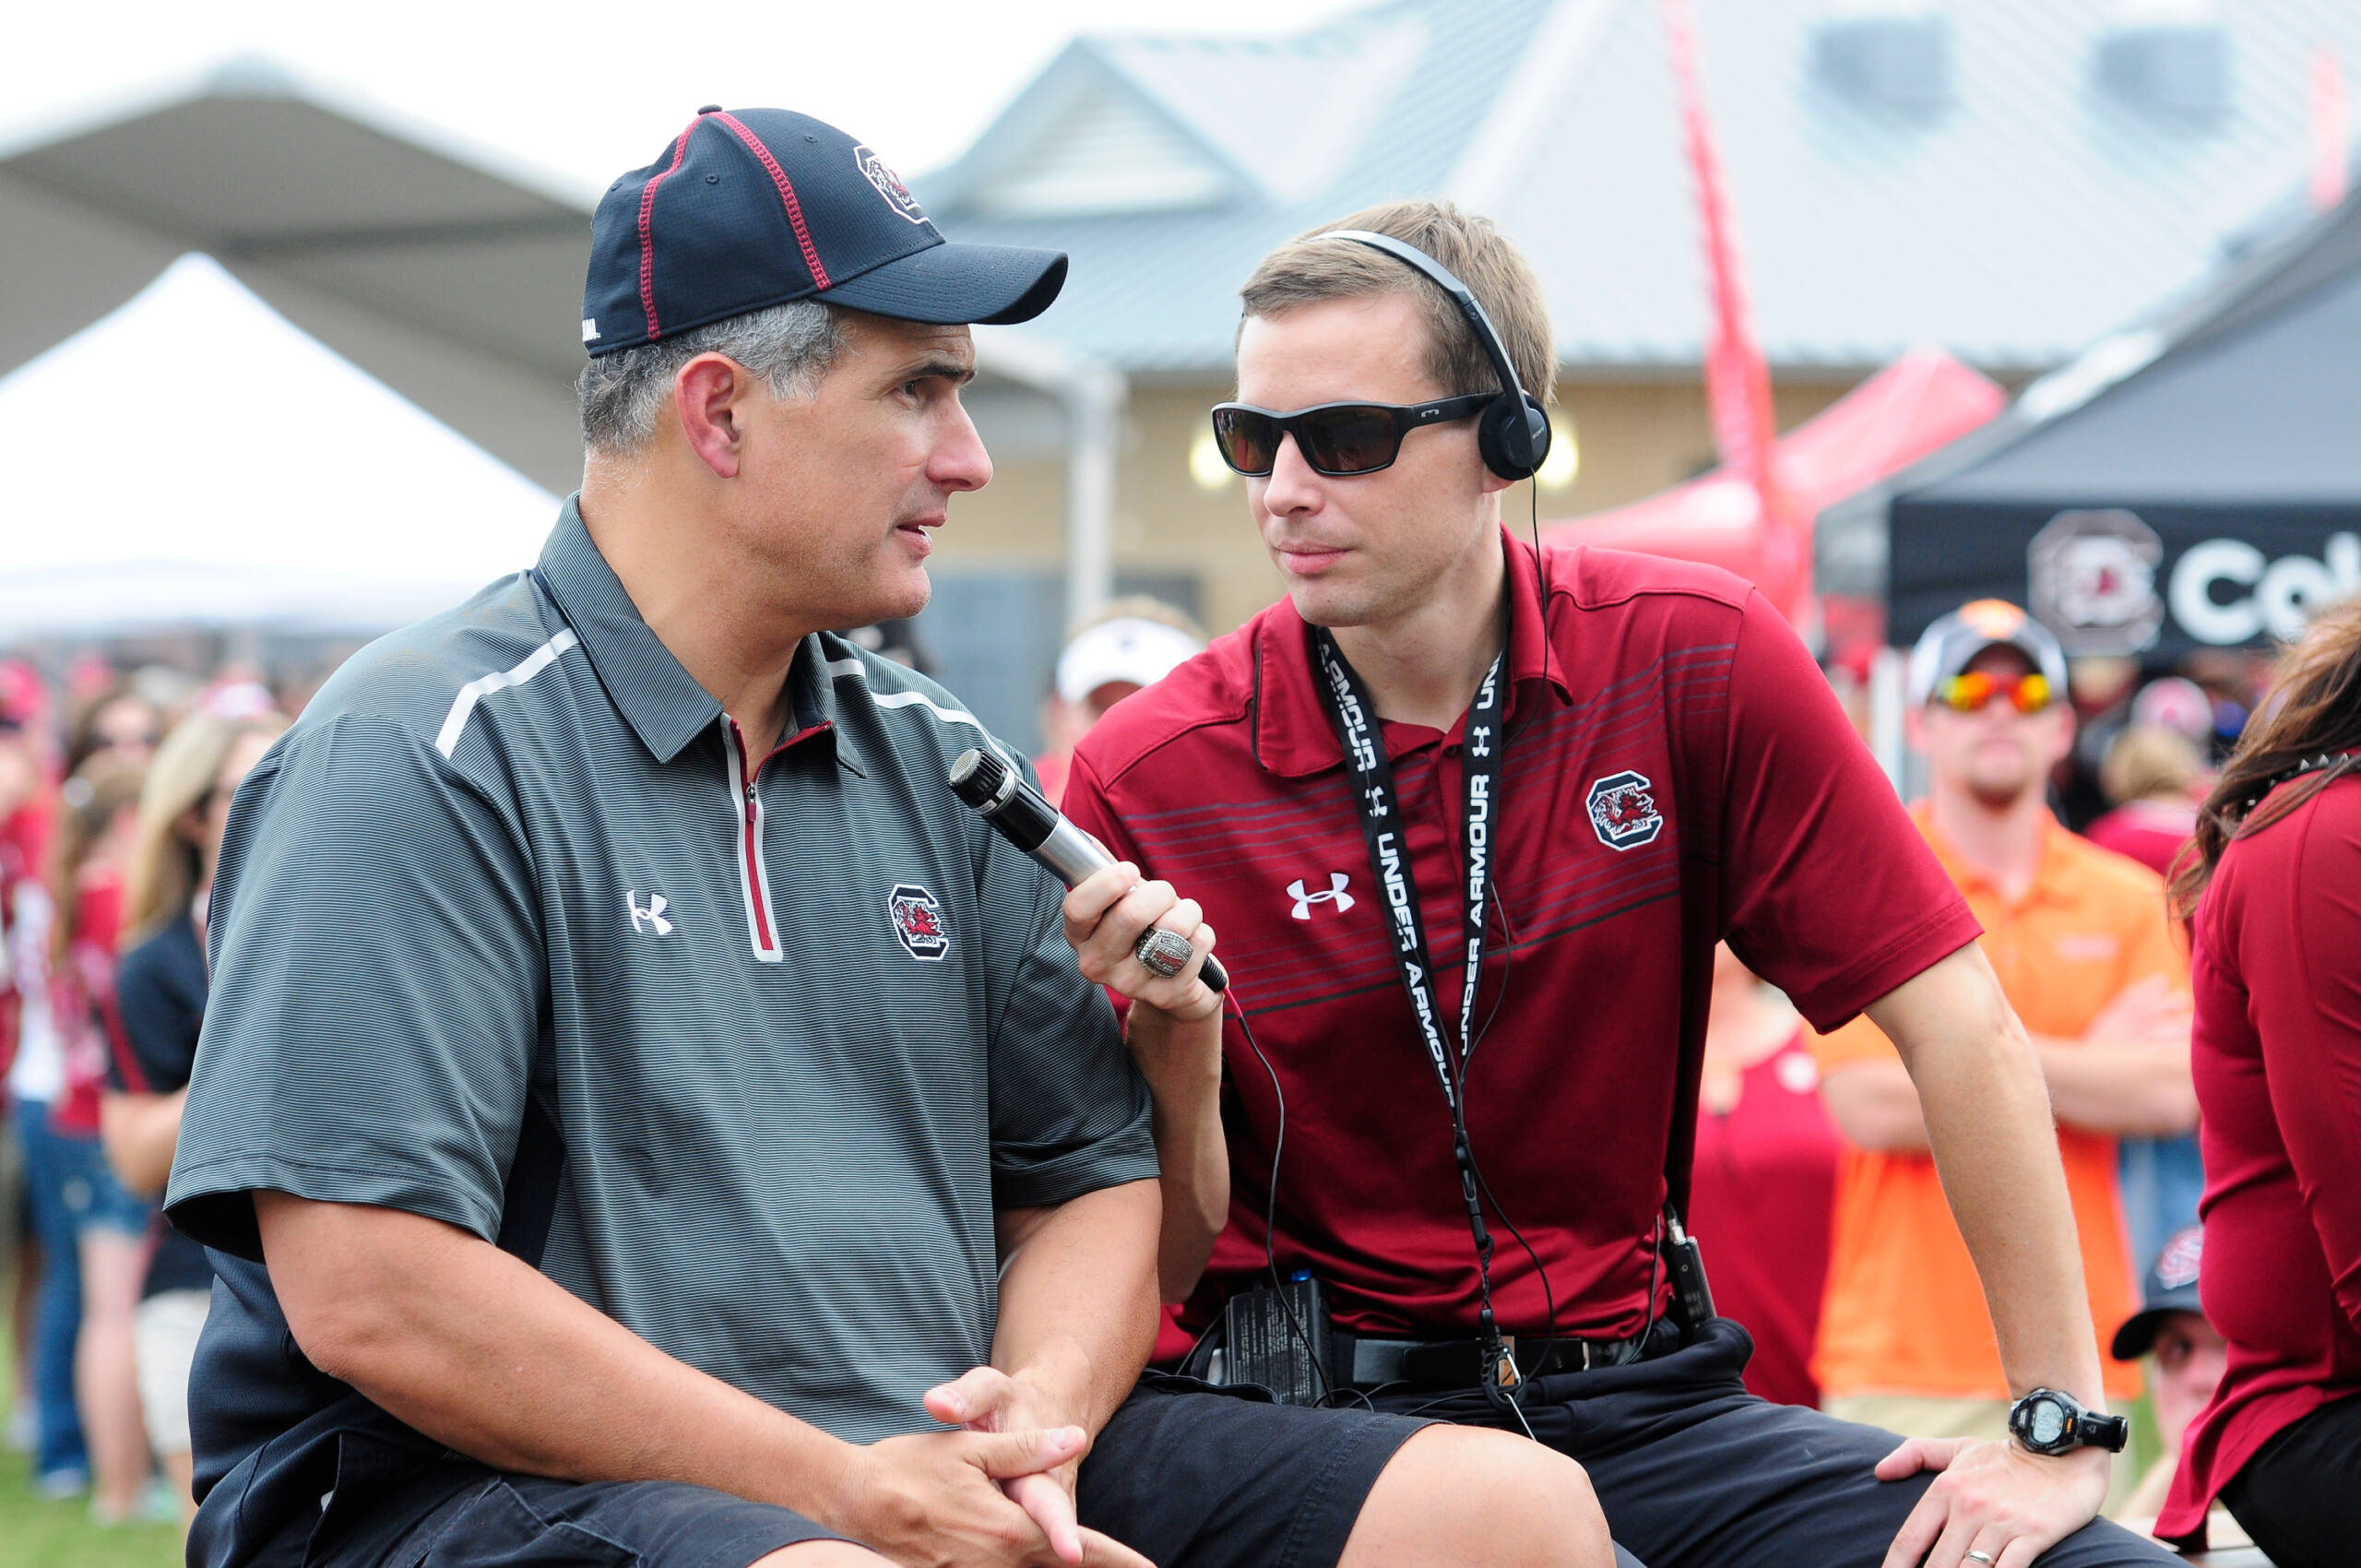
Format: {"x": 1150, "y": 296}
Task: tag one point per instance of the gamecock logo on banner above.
{"x": 2092, "y": 578}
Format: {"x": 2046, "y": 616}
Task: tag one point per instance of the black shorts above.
{"x": 2299, "y": 1497}
{"x": 1692, "y": 1471}
{"x": 1190, "y": 1475}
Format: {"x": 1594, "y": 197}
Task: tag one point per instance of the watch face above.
{"x": 2046, "y": 1422}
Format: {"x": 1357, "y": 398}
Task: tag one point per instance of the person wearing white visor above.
{"x": 1134, "y": 643}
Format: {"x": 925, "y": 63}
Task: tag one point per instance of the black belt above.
{"x": 1368, "y": 1361}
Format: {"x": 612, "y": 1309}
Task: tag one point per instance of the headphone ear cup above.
{"x": 1509, "y": 451}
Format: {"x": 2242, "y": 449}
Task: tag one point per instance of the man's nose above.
{"x": 959, "y": 460}
{"x": 1294, "y": 486}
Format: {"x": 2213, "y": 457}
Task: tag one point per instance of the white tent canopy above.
{"x": 195, "y": 459}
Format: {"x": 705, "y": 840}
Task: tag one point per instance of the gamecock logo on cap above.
{"x": 1622, "y": 812}
{"x": 918, "y": 922}
{"x": 2178, "y": 1264}
{"x": 889, "y": 184}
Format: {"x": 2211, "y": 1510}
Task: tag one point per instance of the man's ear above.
{"x": 2067, "y": 724}
{"x": 1913, "y": 728}
{"x": 710, "y": 394}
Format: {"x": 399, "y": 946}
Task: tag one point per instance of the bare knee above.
{"x": 1461, "y": 1494}
{"x": 821, "y": 1554}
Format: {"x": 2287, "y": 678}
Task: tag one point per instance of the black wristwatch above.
{"x": 2046, "y": 1421}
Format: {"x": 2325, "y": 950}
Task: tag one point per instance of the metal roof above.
{"x": 2008, "y": 178}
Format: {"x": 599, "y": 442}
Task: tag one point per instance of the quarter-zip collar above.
{"x": 659, "y": 698}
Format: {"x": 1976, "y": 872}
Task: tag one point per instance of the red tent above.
{"x": 1897, "y": 416}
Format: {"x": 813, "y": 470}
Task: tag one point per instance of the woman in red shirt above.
{"x": 1762, "y": 1187}
{"x": 2276, "y": 971}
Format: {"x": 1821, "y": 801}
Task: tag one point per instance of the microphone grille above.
{"x": 978, "y": 776}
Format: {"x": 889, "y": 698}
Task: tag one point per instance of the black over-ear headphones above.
{"x": 1514, "y": 433}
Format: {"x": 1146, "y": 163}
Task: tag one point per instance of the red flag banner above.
{"x": 1738, "y": 381}
{"x": 2330, "y": 151}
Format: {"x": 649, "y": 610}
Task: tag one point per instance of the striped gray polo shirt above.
{"x": 802, "y": 1020}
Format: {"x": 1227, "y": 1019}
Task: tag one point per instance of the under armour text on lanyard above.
{"x": 1385, "y": 829}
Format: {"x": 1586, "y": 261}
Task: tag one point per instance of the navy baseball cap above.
{"x": 751, "y": 209}
{"x": 2171, "y": 1286}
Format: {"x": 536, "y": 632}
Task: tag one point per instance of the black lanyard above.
{"x": 1385, "y": 829}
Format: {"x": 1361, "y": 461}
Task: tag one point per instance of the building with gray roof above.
{"x": 2008, "y": 179}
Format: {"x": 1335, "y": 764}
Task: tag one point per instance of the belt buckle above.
{"x": 1593, "y": 1354}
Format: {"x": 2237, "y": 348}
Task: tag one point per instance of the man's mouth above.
{"x": 1306, "y": 559}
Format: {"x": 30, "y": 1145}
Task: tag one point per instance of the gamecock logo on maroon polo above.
{"x": 1623, "y": 813}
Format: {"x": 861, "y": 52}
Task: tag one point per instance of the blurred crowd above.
{"x": 2058, "y": 796}
{"x": 112, "y": 804}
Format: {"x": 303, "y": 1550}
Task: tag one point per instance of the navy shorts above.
{"x": 461, "y": 1515}
{"x": 1189, "y": 1476}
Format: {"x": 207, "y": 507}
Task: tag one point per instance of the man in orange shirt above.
{"x": 2081, "y": 942}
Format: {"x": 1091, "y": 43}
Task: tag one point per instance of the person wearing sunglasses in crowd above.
{"x": 2085, "y": 951}
{"x": 1475, "y": 1136}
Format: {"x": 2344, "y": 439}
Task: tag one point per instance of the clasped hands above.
{"x": 999, "y": 1491}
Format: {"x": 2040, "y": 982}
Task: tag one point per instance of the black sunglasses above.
{"x": 1337, "y": 439}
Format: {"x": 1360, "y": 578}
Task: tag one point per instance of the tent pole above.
{"x": 1092, "y": 395}
{"x": 1886, "y": 738}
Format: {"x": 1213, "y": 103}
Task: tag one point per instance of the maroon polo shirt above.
{"x": 2277, "y": 1055}
{"x": 1679, "y": 772}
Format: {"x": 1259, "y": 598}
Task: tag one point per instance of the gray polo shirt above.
{"x": 803, "y": 1022}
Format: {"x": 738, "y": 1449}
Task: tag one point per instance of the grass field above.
{"x": 34, "y": 1533}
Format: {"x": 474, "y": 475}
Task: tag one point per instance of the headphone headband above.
{"x": 1524, "y": 436}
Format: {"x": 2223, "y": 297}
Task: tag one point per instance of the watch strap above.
{"x": 2110, "y": 1432}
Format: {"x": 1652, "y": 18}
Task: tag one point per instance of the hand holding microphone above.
{"x": 1021, "y": 815}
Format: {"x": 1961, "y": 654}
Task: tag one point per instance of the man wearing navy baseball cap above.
{"x": 641, "y": 1118}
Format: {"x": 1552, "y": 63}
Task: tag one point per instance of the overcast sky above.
{"x": 588, "y": 88}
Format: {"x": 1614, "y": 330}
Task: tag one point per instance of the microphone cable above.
{"x": 1325, "y": 1389}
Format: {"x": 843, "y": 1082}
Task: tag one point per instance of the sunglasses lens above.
{"x": 1971, "y": 692}
{"x": 1249, "y": 441}
{"x": 1349, "y": 440}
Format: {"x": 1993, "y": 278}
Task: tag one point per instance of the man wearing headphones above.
{"x": 1470, "y": 819}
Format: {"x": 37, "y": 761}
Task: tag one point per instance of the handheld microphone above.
{"x": 1021, "y": 815}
